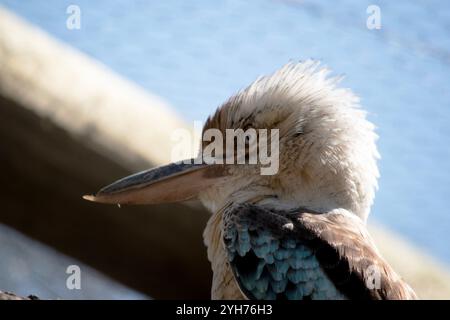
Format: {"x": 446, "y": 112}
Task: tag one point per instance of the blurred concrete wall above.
{"x": 69, "y": 125}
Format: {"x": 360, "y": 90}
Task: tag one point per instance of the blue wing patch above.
{"x": 268, "y": 264}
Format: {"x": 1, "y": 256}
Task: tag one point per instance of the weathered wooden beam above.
{"x": 12, "y": 296}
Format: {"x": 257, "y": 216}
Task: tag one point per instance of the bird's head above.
{"x": 291, "y": 139}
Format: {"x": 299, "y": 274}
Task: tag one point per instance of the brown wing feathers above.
{"x": 350, "y": 258}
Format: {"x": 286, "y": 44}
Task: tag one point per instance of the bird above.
{"x": 299, "y": 233}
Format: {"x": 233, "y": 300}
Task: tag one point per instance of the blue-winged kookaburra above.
{"x": 299, "y": 233}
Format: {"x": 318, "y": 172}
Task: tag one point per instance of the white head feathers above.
{"x": 327, "y": 147}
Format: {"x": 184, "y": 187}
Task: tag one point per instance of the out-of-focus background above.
{"x": 92, "y": 90}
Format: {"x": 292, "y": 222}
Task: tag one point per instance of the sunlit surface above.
{"x": 29, "y": 267}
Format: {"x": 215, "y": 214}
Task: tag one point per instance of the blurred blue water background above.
{"x": 196, "y": 53}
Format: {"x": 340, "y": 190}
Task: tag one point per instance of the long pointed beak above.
{"x": 170, "y": 183}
